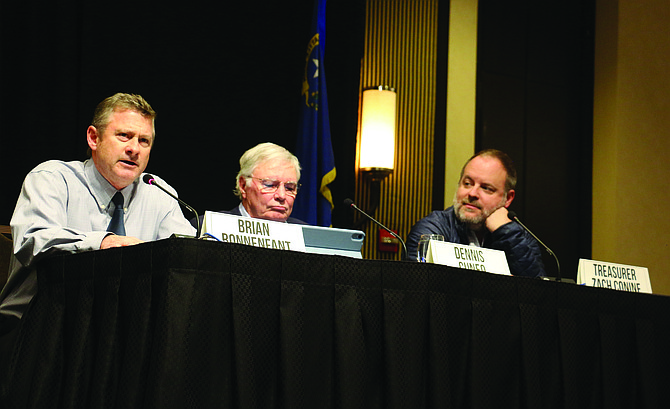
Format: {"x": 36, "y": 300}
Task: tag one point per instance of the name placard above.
{"x": 253, "y": 232}
{"x": 615, "y": 276}
{"x": 468, "y": 257}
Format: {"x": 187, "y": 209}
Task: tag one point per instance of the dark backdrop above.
{"x": 221, "y": 77}
{"x": 224, "y": 77}
{"x": 535, "y": 102}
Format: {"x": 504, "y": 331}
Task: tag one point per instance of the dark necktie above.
{"x": 116, "y": 225}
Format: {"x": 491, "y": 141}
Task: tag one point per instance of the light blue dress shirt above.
{"x": 66, "y": 207}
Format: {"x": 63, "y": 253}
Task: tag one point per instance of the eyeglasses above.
{"x": 271, "y": 186}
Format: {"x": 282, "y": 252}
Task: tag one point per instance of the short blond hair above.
{"x": 119, "y": 102}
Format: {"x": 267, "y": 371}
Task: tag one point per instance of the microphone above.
{"x": 350, "y": 203}
{"x": 512, "y": 216}
{"x": 149, "y": 180}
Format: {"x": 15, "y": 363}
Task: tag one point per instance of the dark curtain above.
{"x": 196, "y": 324}
{"x": 535, "y": 76}
{"x": 222, "y": 76}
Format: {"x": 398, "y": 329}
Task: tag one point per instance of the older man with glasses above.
{"x": 267, "y": 184}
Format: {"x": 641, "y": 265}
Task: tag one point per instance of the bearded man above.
{"x": 479, "y": 217}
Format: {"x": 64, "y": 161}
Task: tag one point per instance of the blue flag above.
{"x": 314, "y": 203}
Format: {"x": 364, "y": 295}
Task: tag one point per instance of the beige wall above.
{"x": 631, "y": 151}
{"x": 461, "y": 91}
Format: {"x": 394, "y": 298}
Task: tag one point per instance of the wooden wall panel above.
{"x": 401, "y": 51}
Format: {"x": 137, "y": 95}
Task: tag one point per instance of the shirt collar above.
{"x": 472, "y": 238}
{"x": 102, "y": 190}
{"x": 243, "y": 211}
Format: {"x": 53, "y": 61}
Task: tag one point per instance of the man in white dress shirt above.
{"x": 67, "y": 206}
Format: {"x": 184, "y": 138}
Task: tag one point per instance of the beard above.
{"x": 475, "y": 222}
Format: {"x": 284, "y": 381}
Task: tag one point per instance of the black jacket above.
{"x": 521, "y": 249}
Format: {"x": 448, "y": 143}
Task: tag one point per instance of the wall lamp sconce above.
{"x": 376, "y": 143}
{"x": 377, "y": 138}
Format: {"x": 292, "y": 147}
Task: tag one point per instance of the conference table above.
{"x": 185, "y": 323}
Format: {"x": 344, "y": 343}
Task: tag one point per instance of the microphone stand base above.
{"x": 181, "y": 236}
{"x": 562, "y": 280}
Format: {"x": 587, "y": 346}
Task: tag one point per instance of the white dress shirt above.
{"x": 66, "y": 207}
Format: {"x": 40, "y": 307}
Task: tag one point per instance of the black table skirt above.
{"x": 183, "y": 323}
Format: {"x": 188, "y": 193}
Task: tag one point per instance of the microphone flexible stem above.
{"x": 152, "y": 181}
{"x": 353, "y": 205}
{"x": 558, "y": 265}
